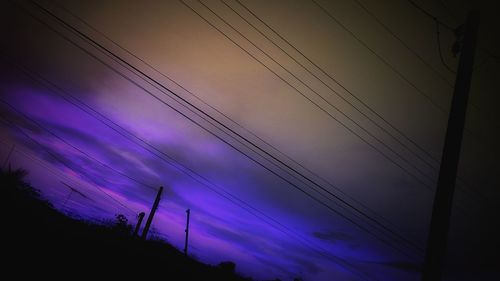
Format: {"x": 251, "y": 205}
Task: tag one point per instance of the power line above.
{"x": 299, "y": 92}
{"x": 300, "y": 65}
{"x": 55, "y": 172}
{"x": 443, "y": 111}
{"x": 394, "y": 35}
{"x": 211, "y": 186}
{"x": 32, "y": 157}
{"x": 454, "y": 30}
{"x": 324, "y": 110}
{"x": 76, "y": 191}
{"x": 404, "y": 78}
{"x": 486, "y": 116}
{"x": 347, "y": 90}
{"x": 460, "y": 179}
{"x": 438, "y": 40}
{"x": 251, "y": 54}
{"x": 240, "y": 136}
{"x": 309, "y": 72}
{"x": 282, "y": 228}
{"x": 142, "y": 141}
{"x": 215, "y": 109}
{"x": 198, "y": 124}
{"x": 434, "y": 159}
{"x": 337, "y": 82}
{"x": 64, "y": 163}
{"x": 425, "y": 12}
{"x": 76, "y": 148}
{"x": 335, "y": 92}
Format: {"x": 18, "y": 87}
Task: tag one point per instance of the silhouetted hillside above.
{"x": 41, "y": 242}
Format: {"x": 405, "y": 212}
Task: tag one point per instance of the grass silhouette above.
{"x": 41, "y": 242}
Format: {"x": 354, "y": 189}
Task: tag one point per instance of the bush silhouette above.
{"x": 227, "y": 266}
{"x": 122, "y": 225}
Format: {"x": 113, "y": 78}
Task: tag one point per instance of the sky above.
{"x": 304, "y": 136}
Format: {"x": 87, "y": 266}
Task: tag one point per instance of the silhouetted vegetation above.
{"x": 228, "y": 268}
{"x": 39, "y": 241}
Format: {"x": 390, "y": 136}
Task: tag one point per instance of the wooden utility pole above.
{"x": 152, "y": 213}
{"x": 443, "y": 200}
{"x": 139, "y": 222}
{"x": 188, "y": 212}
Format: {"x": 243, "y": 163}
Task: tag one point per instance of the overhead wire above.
{"x": 467, "y": 130}
{"x": 363, "y": 215}
{"x": 427, "y": 13}
{"x": 443, "y": 110}
{"x": 54, "y": 156}
{"x": 472, "y": 104}
{"x": 336, "y": 82}
{"x": 38, "y": 124}
{"x": 242, "y": 47}
{"x": 403, "y": 43}
{"x": 57, "y": 173}
{"x": 314, "y": 91}
{"x": 438, "y": 40}
{"x": 195, "y": 122}
{"x": 432, "y": 157}
{"x": 390, "y": 66}
{"x": 225, "y": 194}
{"x": 378, "y": 150}
{"x": 216, "y": 121}
{"x": 51, "y": 170}
{"x": 219, "y": 112}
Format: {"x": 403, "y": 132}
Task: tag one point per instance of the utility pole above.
{"x": 443, "y": 200}
{"x": 188, "y": 212}
{"x": 152, "y": 213}
{"x": 139, "y": 222}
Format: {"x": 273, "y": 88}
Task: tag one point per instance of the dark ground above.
{"x": 41, "y": 242}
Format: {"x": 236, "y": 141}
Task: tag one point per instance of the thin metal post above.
{"x": 188, "y": 212}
